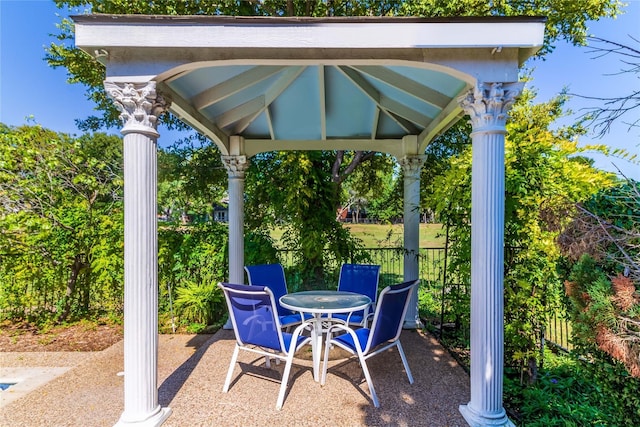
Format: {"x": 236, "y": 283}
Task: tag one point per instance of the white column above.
{"x": 236, "y": 166}
{"x": 487, "y": 105}
{"x": 411, "y": 166}
{"x": 140, "y": 106}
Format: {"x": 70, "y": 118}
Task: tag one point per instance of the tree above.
{"x": 602, "y": 249}
{"x": 296, "y": 191}
{"x": 61, "y": 199}
{"x": 363, "y": 186}
{"x": 616, "y": 107}
{"x": 191, "y": 179}
{"x": 602, "y": 245}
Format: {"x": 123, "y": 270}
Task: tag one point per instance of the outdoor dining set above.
{"x": 355, "y": 318}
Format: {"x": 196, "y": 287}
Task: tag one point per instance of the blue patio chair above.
{"x": 252, "y": 310}
{"x": 384, "y": 333}
{"x": 361, "y": 279}
{"x": 272, "y": 276}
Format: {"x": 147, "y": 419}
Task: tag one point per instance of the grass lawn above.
{"x": 389, "y": 235}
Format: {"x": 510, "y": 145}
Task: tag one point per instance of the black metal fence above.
{"x": 444, "y": 299}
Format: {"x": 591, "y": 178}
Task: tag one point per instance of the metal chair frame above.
{"x": 384, "y": 333}
{"x": 260, "y": 330}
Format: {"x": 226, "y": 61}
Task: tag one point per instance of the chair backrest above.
{"x": 389, "y": 315}
{"x": 271, "y": 276}
{"x": 253, "y": 313}
{"x": 360, "y": 278}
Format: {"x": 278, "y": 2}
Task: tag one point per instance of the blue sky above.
{"x": 29, "y": 87}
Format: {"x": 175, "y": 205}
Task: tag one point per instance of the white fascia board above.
{"x": 363, "y": 35}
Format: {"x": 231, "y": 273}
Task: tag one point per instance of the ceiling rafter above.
{"x": 246, "y": 109}
{"x": 403, "y": 111}
{"x": 323, "y": 104}
{"x": 375, "y": 96}
{"x": 407, "y": 85}
{"x": 447, "y": 118}
{"x": 234, "y": 85}
{"x": 288, "y": 76}
{"x": 375, "y": 122}
{"x": 185, "y": 112}
{"x": 270, "y": 123}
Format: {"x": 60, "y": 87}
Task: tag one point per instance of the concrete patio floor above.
{"x": 192, "y": 370}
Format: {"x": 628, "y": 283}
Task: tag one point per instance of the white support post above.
{"x": 236, "y": 166}
{"x": 411, "y": 166}
{"x": 140, "y": 105}
{"x": 487, "y": 105}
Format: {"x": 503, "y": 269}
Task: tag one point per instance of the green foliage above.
{"x": 620, "y": 390}
{"x": 566, "y": 20}
{"x": 191, "y": 180}
{"x": 61, "y": 223}
{"x": 572, "y": 392}
{"x": 295, "y": 191}
{"x": 542, "y": 181}
{"x": 602, "y": 284}
{"x": 190, "y": 256}
{"x": 201, "y": 303}
{"x": 371, "y": 188}
{"x": 259, "y": 248}
{"x": 618, "y": 205}
{"x": 192, "y": 260}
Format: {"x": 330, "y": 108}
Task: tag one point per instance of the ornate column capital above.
{"x": 488, "y": 103}
{"x": 139, "y": 104}
{"x": 235, "y": 165}
{"x": 412, "y": 164}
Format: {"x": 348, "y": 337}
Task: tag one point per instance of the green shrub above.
{"x": 199, "y": 302}
{"x": 573, "y": 392}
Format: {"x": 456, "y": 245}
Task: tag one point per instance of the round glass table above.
{"x": 323, "y": 303}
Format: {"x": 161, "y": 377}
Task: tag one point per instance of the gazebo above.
{"x": 257, "y": 84}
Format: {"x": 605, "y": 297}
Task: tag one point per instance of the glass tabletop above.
{"x": 325, "y": 301}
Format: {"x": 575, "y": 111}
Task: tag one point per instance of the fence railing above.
{"x": 441, "y": 300}
{"x": 558, "y": 330}
{"x": 391, "y": 260}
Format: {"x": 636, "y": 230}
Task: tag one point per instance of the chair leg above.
{"x": 232, "y": 365}
{"x": 285, "y": 379}
{"x": 367, "y": 376}
{"x": 327, "y": 347}
{"x": 404, "y": 361}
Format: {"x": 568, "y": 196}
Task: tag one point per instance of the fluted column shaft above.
{"x": 411, "y": 166}
{"x": 487, "y": 106}
{"x": 140, "y": 106}
{"x": 236, "y": 167}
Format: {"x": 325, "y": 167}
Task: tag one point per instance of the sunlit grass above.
{"x": 388, "y": 235}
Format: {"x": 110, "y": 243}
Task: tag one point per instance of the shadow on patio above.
{"x": 192, "y": 370}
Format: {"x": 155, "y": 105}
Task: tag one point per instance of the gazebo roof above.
{"x": 381, "y": 84}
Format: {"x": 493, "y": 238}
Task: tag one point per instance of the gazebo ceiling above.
{"x": 305, "y": 83}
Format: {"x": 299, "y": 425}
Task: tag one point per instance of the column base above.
{"x": 475, "y": 419}
{"x": 228, "y": 325}
{"x": 154, "y": 420}
{"x": 412, "y": 324}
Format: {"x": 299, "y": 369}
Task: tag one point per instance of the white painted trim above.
{"x": 303, "y": 35}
